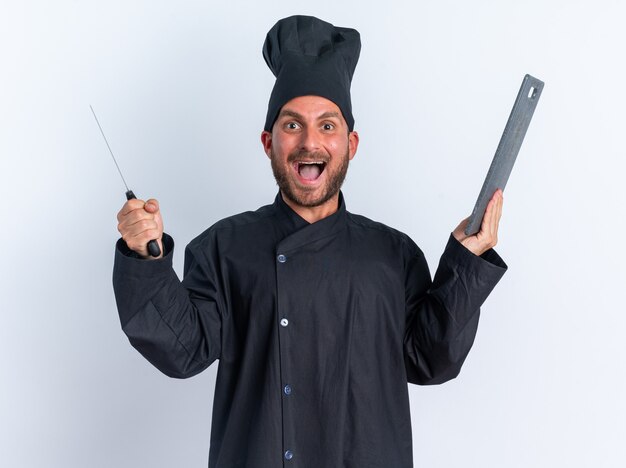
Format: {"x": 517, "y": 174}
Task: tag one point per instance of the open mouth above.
{"x": 310, "y": 170}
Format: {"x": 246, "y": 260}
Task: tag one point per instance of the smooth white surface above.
{"x": 181, "y": 91}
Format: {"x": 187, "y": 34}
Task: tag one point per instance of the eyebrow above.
{"x": 290, "y": 113}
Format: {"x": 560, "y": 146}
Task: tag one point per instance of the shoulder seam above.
{"x": 220, "y": 225}
{"x": 381, "y": 227}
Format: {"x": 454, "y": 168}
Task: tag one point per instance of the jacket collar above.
{"x": 299, "y": 231}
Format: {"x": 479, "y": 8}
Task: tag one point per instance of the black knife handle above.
{"x": 153, "y": 246}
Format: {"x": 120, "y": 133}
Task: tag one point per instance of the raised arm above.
{"x": 175, "y": 326}
{"x": 443, "y": 315}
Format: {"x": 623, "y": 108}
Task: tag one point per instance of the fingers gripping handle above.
{"x": 153, "y": 246}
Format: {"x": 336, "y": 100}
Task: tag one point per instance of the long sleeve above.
{"x": 175, "y": 326}
{"x": 442, "y": 316}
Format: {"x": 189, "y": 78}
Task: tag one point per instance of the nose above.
{"x": 309, "y": 140}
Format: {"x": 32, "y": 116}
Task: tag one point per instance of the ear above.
{"x": 266, "y": 140}
{"x": 353, "y": 144}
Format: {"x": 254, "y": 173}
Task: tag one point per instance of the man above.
{"x": 318, "y": 317}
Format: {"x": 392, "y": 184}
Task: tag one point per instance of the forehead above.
{"x": 311, "y": 107}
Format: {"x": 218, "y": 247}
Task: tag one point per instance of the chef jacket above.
{"x": 317, "y": 329}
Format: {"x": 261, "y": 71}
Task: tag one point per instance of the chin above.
{"x": 308, "y": 199}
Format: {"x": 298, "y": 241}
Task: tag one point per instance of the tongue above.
{"x": 310, "y": 171}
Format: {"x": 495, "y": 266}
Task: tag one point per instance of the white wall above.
{"x": 181, "y": 90}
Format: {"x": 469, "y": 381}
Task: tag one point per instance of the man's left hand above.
{"x": 487, "y": 237}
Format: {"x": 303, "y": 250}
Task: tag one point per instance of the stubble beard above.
{"x": 304, "y": 196}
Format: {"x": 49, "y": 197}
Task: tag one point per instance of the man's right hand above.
{"x": 140, "y": 222}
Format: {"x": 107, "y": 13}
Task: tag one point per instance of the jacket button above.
{"x": 284, "y": 322}
{"x": 288, "y": 455}
{"x": 281, "y": 258}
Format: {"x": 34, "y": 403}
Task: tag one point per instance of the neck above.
{"x": 312, "y": 214}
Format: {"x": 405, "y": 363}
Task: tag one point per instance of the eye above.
{"x": 292, "y": 126}
{"x": 328, "y": 126}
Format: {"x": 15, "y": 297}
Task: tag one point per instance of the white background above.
{"x": 181, "y": 90}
